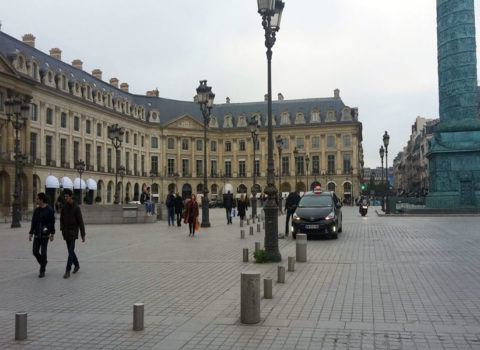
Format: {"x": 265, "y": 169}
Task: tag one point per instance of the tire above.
{"x": 334, "y": 235}
{"x": 294, "y": 235}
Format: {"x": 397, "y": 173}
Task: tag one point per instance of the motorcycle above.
{"x": 363, "y": 209}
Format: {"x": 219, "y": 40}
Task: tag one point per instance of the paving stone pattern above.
{"x": 386, "y": 283}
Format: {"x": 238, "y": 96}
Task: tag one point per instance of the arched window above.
{"x": 331, "y": 187}
{"x": 109, "y": 192}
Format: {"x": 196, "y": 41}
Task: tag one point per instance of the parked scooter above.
{"x": 363, "y": 209}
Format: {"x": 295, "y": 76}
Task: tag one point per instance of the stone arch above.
{"x": 199, "y": 188}
{"x": 128, "y": 192}
{"x": 214, "y": 190}
{"x": 301, "y": 187}
{"x": 331, "y": 186}
{"x": 315, "y": 184}
{"x": 100, "y": 192}
{"x": 285, "y": 187}
{"x": 37, "y": 188}
{"x": 186, "y": 190}
{"x": 110, "y": 192}
{"x": 5, "y": 197}
{"x": 242, "y": 189}
{"x": 172, "y": 187}
{"x": 25, "y": 191}
{"x": 136, "y": 192}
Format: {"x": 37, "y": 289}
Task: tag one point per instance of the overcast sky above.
{"x": 381, "y": 54}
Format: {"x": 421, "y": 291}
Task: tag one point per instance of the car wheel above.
{"x": 334, "y": 235}
{"x": 294, "y": 235}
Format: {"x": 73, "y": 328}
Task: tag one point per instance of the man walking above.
{"x": 290, "y": 206}
{"x": 41, "y": 230}
{"x": 228, "y": 204}
{"x": 170, "y": 203}
{"x": 71, "y": 222}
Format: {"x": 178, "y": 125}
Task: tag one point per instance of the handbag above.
{"x": 196, "y": 224}
{"x": 233, "y": 212}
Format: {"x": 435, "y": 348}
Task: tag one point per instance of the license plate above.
{"x": 312, "y": 227}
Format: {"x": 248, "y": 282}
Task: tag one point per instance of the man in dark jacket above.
{"x": 41, "y": 230}
{"x": 290, "y": 206}
{"x": 71, "y": 222}
{"x": 170, "y": 203}
{"x": 228, "y": 204}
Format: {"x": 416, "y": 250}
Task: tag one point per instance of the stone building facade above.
{"x": 70, "y": 111}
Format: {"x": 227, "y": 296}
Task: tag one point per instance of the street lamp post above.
{"x": 382, "y": 153}
{"x": 295, "y": 156}
{"x": 280, "y": 147}
{"x": 271, "y": 12}
{"x": 80, "y": 167}
{"x": 351, "y": 186}
{"x": 115, "y": 134}
{"x": 121, "y": 172}
{"x": 386, "y": 141}
{"x": 307, "y": 162}
{"x": 254, "y": 131}
{"x": 205, "y": 98}
{"x": 17, "y": 113}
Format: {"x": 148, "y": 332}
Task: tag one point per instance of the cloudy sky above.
{"x": 381, "y": 54}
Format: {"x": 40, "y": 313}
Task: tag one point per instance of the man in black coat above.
{"x": 228, "y": 204}
{"x": 71, "y": 221}
{"x": 290, "y": 206}
{"x": 41, "y": 230}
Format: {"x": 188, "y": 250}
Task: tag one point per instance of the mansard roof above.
{"x": 171, "y": 109}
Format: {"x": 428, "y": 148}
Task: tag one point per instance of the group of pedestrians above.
{"x": 42, "y": 230}
{"x": 189, "y": 211}
{"x": 229, "y": 204}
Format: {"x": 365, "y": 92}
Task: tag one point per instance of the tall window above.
{"x": 346, "y": 140}
{"x": 88, "y": 155}
{"x": 135, "y": 161}
{"x": 88, "y": 127}
{"x": 33, "y": 146}
{"x": 199, "y": 145}
{"x": 331, "y": 164}
{"x": 228, "y": 168}
{"x": 315, "y": 165}
{"x": 185, "y": 167}
{"x": 213, "y": 167}
{"x": 127, "y": 161}
{"x": 76, "y": 124}
{"x": 300, "y": 143}
{"x": 134, "y": 139}
{"x": 142, "y": 141}
{"x": 63, "y": 120}
{"x": 49, "y": 117}
{"x": 118, "y": 159}
{"x": 109, "y": 158}
{"x": 256, "y": 167}
{"x": 127, "y": 137}
{"x": 300, "y": 164}
{"x": 346, "y": 163}
{"x": 76, "y": 151}
{"x": 142, "y": 163}
{"x": 185, "y": 144}
{"x": 199, "y": 164}
{"x": 330, "y": 141}
{"x": 213, "y": 146}
{"x": 316, "y": 142}
{"x": 33, "y": 112}
{"x": 228, "y": 146}
{"x": 99, "y": 129}
{"x": 171, "y": 166}
{"x": 1, "y": 101}
{"x": 257, "y": 145}
{"x": 99, "y": 157}
{"x": 154, "y": 164}
{"x": 241, "y": 168}
{"x": 241, "y": 145}
{"x": 48, "y": 148}
{"x": 285, "y": 165}
{"x": 63, "y": 151}
{"x": 154, "y": 142}
{"x": 171, "y": 143}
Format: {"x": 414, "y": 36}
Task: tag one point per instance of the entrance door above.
{"x": 466, "y": 193}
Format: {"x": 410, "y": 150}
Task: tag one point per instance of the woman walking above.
{"x": 179, "y": 209}
{"x": 191, "y": 215}
{"x": 242, "y": 207}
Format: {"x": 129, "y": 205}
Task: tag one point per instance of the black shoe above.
{"x": 41, "y": 275}
{"x": 75, "y": 269}
{"x": 67, "y": 274}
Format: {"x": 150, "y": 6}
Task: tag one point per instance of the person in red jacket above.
{"x": 191, "y": 215}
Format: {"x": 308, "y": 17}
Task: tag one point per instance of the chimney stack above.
{"x": 280, "y": 96}
{"x": 153, "y": 93}
{"x": 29, "y": 39}
{"x": 228, "y": 99}
{"x": 56, "y": 53}
{"x": 97, "y": 73}
{"x": 114, "y": 82}
{"x": 124, "y": 87}
{"x": 266, "y": 97}
{"x": 336, "y": 93}
{"x": 77, "y": 64}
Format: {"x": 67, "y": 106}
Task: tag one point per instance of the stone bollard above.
{"x": 242, "y": 234}
{"x": 245, "y": 254}
{"x": 257, "y": 246}
{"x": 291, "y": 264}
{"x": 281, "y": 274}
{"x": 258, "y": 228}
{"x": 267, "y": 288}
{"x": 20, "y": 326}
{"x": 251, "y": 230}
{"x": 138, "y": 312}
{"x": 301, "y": 247}
{"x": 241, "y": 223}
{"x": 250, "y": 297}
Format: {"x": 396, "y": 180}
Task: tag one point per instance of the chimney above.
{"x": 77, "y": 64}
{"x": 153, "y": 93}
{"x": 336, "y": 93}
{"x": 280, "y": 96}
{"x": 97, "y": 73}
{"x": 56, "y": 53}
{"x": 114, "y": 82}
{"x": 266, "y": 97}
{"x": 124, "y": 87}
{"x": 228, "y": 99}
{"x": 29, "y": 39}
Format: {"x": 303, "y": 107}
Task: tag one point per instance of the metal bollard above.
{"x": 257, "y": 246}
{"x": 258, "y": 228}
{"x": 250, "y": 297}
{"x": 291, "y": 264}
{"x": 301, "y": 247}
{"x": 241, "y": 223}
{"x": 251, "y": 230}
{"x": 242, "y": 234}
{"x": 267, "y": 288}
{"x": 20, "y": 326}
{"x": 245, "y": 254}
{"x": 281, "y": 274}
{"x": 138, "y": 312}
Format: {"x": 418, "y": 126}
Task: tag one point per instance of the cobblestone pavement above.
{"x": 386, "y": 283}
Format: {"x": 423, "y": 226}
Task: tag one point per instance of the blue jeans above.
{"x": 229, "y": 215}
{"x": 148, "y": 207}
{"x": 171, "y": 216}
{"x": 72, "y": 257}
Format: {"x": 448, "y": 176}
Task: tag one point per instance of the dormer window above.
{"x": 50, "y": 77}
{"x": 315, "y": 117}
{"x": 258, "y": 119}
{"x": 285, "y": 118}
{"x": 20, "y": 62}
{"x": 213, "y": 122}
{"x": 300, "y": 118}
{"x": 330, "y": 116}
{"x": 242, "y": 121}
{"x": 346, "y": 115}
{"x": 228, "y": 122}
{"x": 35, "y": 71}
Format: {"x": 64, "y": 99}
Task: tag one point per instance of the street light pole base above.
{"x": 205, "y": 224}
{"x": 271, "y": 232}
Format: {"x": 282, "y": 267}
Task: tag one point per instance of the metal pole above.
{"x": 280, "y": 179}
{"x": 387, "y": 211}
{"x": 205, "y": 209}
{"x": 254, "y": 187}
{"x": 16, "y": 207}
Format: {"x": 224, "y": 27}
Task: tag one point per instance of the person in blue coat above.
{"x": 42, "y": 230}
